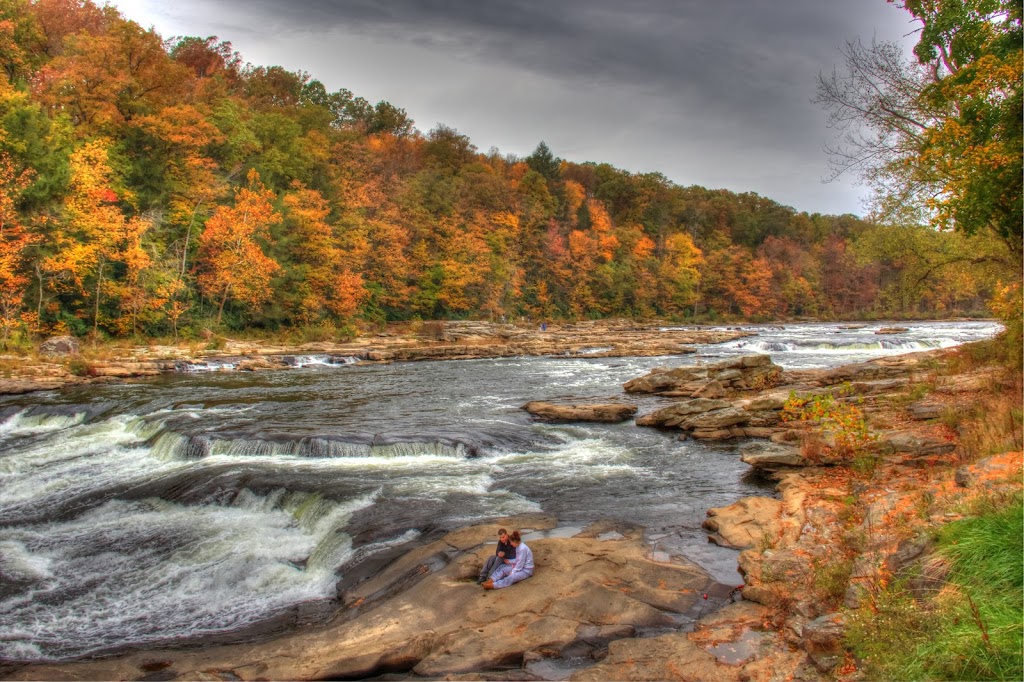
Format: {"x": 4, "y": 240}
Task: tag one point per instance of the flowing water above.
{"x": 204, "y": 504}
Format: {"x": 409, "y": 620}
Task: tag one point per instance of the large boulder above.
{"x": 668, "y": 657}
{"x": 823, "y": 641}
{"x": 747, "y": 373}
{"x": 595, "y": 412}
{"x": 768, "y": 456}
{"x": 426, "y": 615}
{"x": 917, "y": 446}
{"x": 748, "y": 523}
{"x": 716, "y": 419}
{"x": 59, "y": 347}
{"x": 674, "y": 415}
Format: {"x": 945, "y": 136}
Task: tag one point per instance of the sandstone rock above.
{"x": 966, "y": 477}
{"x": 857, "y": 371}
{"x": 916, "y": 446}
{"x": 786, "y": 436}
{"x": 716, "y": 419}
{"x": 892, "y": 330}
{"x": 668, "y": 657}
{"x": 673, "y": 415}
{"x": 662, "y": 379}
{"x": 748, "y": 523}
{"x": 59, "y": 346}
{"x": 909, "y": 552}
{"x": 257, "y": 364}
{"x": 712, "y": 389}
{"x": 743, "y": 373}
{"x": 823, "y": 641}
{"x": 759, "y": 431}
{"x": 922, "y": 411}
{"x": 756, "y": 360}
{"x": 424, "y": 614}
{"x": 774, "y": 400}
{"x": 711, "y": 434}
{"x": 764, "y": 418}
{"x": 772, "y": 456}
{"x": 121, "y": 370}
{"x": 596, "y": 412}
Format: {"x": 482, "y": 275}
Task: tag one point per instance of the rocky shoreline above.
{"x": 68, "y": 366}
{"x": 604, "y": 605}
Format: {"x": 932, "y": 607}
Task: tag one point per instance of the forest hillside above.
{"x": 154, "y": 186}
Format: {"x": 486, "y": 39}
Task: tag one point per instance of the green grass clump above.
{"x": 973, "y": 629}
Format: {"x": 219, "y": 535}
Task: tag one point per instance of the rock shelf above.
{"x": 62, "y": 364}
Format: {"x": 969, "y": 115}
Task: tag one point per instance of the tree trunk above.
{"x": 223, "y": 300}
{"x": 96, "y": 307}
{"x": 39, "y": 305}
{"x": 188, "y": 236}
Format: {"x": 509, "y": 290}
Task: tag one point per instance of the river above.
{"x": 204, "y": 505}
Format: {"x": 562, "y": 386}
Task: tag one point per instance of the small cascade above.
{"x": 206, "y": 366}
{"x": 27, "y": 423}
{"x": 151, "y": 570}
{"x": 319, "y": 447}
{"x": 296, "y": 361}
{"x": 319, "y": 360}
{"x": 169, "y": 446}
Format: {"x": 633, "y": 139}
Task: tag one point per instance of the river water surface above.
{"x": 199, "y": 504}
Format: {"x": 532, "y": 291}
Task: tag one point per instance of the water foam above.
{"x": 24, "y": 423}
{"x": 132, "y": 572}
{"x": 815, "y": 348}
{"x": 40, "y": 475}
{"x": 321, "y": 361}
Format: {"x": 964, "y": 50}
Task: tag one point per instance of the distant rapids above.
{"x": 210, "y": 503}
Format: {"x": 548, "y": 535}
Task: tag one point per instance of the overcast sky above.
{"x": 708, "y": 92}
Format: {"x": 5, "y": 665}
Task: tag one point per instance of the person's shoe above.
{"x": 488, "y": 585}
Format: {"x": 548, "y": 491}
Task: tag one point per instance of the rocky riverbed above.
{"x": 605, "y": 605}
{"x": 63, "y": 362}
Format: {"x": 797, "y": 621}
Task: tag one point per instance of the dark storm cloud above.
{"x": 715, "y": 92}
{"x": 747, "y": 60}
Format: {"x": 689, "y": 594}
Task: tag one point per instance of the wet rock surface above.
{"x": 430, "y": 341}
{"x": 591, "y": 412}
{"x": 425, "y": 614}
{"x": 59, "y": 346}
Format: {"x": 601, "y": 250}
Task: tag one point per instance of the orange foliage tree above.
{"x": 232, "y": 264}
{"x": 325, "y": 285}
{"x": 95, "y": 233}
{"x": 14, "y": 243}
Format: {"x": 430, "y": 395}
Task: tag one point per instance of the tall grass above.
{"x": 973, "y": 629}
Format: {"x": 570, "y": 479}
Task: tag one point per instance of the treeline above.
{"x": 156, "y": 187}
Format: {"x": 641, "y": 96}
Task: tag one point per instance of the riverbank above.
{"x": 429, "y": 341}
{"x": 604, "y": 605}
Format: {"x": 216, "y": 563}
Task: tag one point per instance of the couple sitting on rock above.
{"x": 512, "y": 562}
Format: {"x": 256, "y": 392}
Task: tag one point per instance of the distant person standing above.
{"x": 512, "y": 572}
{"x": 504, "y": 551}
{"x": 543, "y": 326}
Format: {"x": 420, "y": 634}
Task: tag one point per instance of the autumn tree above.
{"x": 232, "y": 264}
{"x": 942, "y": 136}
{"x": 103, "y": 80}
{"x": 95, "y": 234}
{"x": 679, "y": 273}
{"x": 322, "y": 285}
{"x": 14, "y": 243}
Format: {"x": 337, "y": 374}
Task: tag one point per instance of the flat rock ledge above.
{"x": 744, "y": 398}
{"x": 434, "y": 341}
{"x": 592, "y": 412}
{"x": 424, "y": 614}
{"x": 748, "y": 373}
